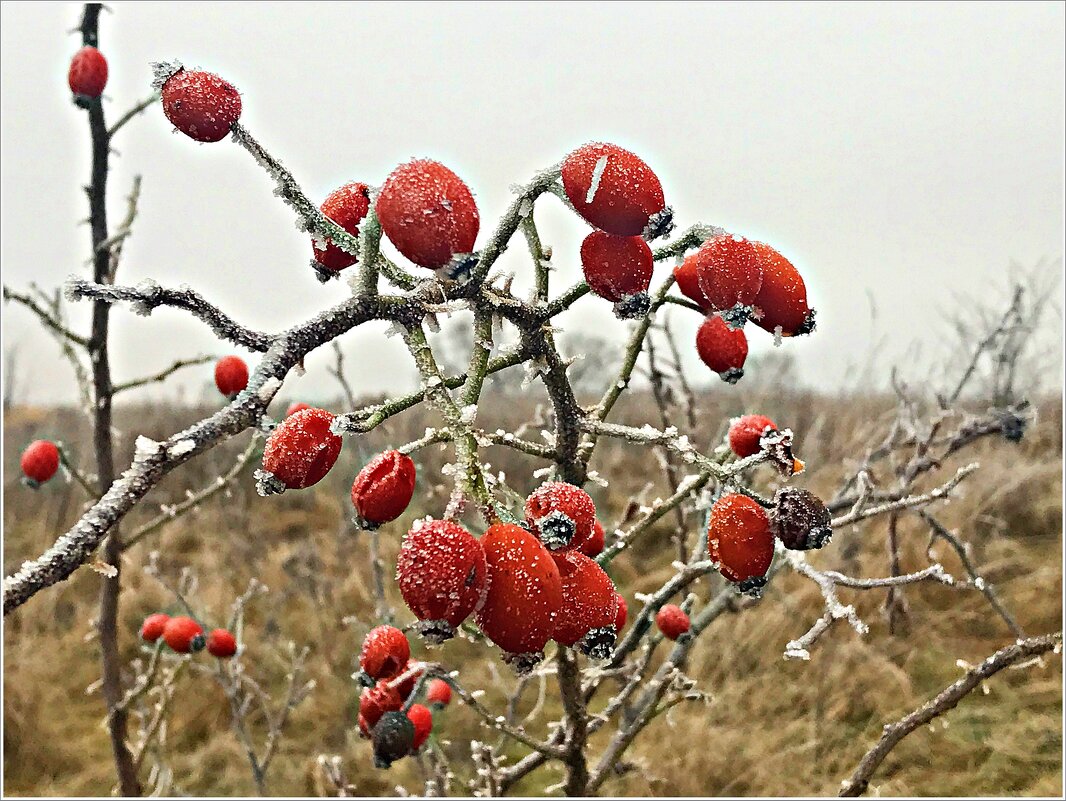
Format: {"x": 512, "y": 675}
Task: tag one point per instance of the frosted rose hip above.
{"x": 384, "y": 487}
{"x": 561, "y": 515}
{"x": 614, "y": 190}
{"x": 347, "y": 207}
{"x": 302, "y": 449}
{"x": 39, "y": 461}
{"x": 587, "y": 614}
{"x": 619, "y": 269}
{"x": 201, "y": 105}
{"x": 722, "y": 348}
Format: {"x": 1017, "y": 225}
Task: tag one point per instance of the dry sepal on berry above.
{"x": 393, "y": 737}
{"x": 153, "y": 626}
{"x": 689, "y": 283}
{"x": 383, "y": 488}
{"x": 586, "y": 618}
{"x": 800, "y": 520}
{"x": 299, "y": 452}
{"x": 88, "y": 72}
{"x": 593, "y": 546}
{"x": 347, "y": 207}
{"x": 231, "y": 375}
{"x": 201, "y": 105}
{"x": 439, "y": 692}
{"x": 429, "y": 214}
{"x": 722, "y": 348}
{"x": 524, "y": 593}
{"x": 376, "y": 701}
{"x": 561, "y": 515}
{"x": 184, "y": 635}
{"x": 615, "y": 191}
{"x": 39, "y": 462}
{"x": 729, "y": 276}
{"x": 221, "y": 643}
{"x": 441, "y": 571}
{"x": 619, "y": 268}
{"x": 781, "y": 305}
{"x": 422, "y": 719}
{"x": 385, "y": 652}
{"x": 739, "y": 542}
{"x": 673, "y": 622}
{"x": 745, "y": 433}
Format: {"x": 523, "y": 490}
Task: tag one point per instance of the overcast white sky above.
{"x": 893, "y": 151}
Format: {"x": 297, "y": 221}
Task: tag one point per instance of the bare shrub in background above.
{"x": 912, "y": 463}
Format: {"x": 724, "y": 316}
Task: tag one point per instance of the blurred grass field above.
{"x": 772, "y": 727}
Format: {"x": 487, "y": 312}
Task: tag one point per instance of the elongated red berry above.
{"x": 302, "y": 449}
{"x": 729, "y": 274}
{"x": 201, "y": 105}
{"x": 376, "y": 701}
{"x": 428, "y": 213}
{"x": 745, "y": 433}
{"x": 385, "y": 652}
{"x": 299, "y": 406}
{"x": 561, "y": 514}
{"x": 441, "y": 571}
{"x": 587, "y": 615}
{"x": 740, "y": 542}
{"x": 231, "y": 375}
{"x": 619, "y": 268}
{"x": 40, "y": 461}
{"x": 722, "y": 348}
{"x": 347, "y": 207}
{"x": 615, "y": 191}
{"x": 411, "y": 672}
{"x": 439, "y": 692}
{"x": 153, "y": 625}
{"x": 88, "y": 72}
{"x": 384, "y": 488}
{"x": 621, "y": 614}
{"x": 672, "y": 621}
{"x": 782, "y": 298}
{"x": 689, "y": 283}
{"x": 525, "y": 592}
{"x": 593, "y": 546}
{"x": 422, "y": 719}
{"x": 800, "y": 520}
{"x": 184, "y": 635}
{"x": 221, "y": 643}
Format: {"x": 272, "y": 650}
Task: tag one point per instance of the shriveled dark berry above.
{"x": 800, "y": 520}
{"x": 393, "y": 736}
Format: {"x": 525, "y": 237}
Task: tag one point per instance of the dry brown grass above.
{"x": 772, "y": 727}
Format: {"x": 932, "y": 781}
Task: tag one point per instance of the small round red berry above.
{"x": 39, "y": 462}
{"x": 184, "y": 635}
{"x": 587, "y": 614}
{"x": 689, "y": 284}
{"x": 561, "y": 515}
{"x": 347, "y": 207}
{"x": 376, "y": 701}
{"x": 525, "y": 591}
{"x": 231, "y": 375}
{"x": 301, "y": 450}
{"x": 153, "y": 626}
{"x": 722, "y": 348}
{"x": 621, "y": 615}
{"x": 745, "y": 433}
{"x": 298, "y": 406}
{"x": 439, "y": 692}
{"x": 385, "y": 652}
{"x": 800, "y": 520}
{"x": 618, "y": 269}
{"x": 740, "y": 542}
{"x": 594, "y": 545}
{"x": 422, "y": 719}
{"x": 782, "y": 299}
{"x": 729, "y": 275}
{"x": 428, "y": 213}
{"x": 672, "y": 621}
{"x": 393, "y": 737}
{"x": 441, "y": 571}
{"x": 384, "y": 488}
{"x": 615, "y": 191}
{"x": 88, "y": 72}
{"x": 221, "y": 643}
{"x": 201, "y": 105}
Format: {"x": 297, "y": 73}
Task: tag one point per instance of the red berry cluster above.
{"x": 184, "y": 635}
{"x": 733, "y": 280}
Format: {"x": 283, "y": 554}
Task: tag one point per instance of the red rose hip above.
{"x": 384, "y": 488}
{"x": 231, "y": 375}
{"x": 347, "y": 207}
{"x": 672, "y": 621}
{"x": 221, "y": 643}
{"x": 618, "y": 269}
{"x": 729, "y": 275}
{"x": 561, "y": 515}
{"x": 739, "y": 540}
{"x": 88, "y": 72}
{"x": 593, "y": 546}
{"x": 422, "y": 719}
{"x": 722, "y": 348}
{"x": 615, "y": 191}
{"x": 782, "y": 299}
{"x": 39, "y": 462}
{"x": 688, "y": 283}
{"x": 385, "y": 652}
{"x": 745, "y": 433}
{"x": 299, "y": 452}
{"x": 439, "y": 692}
{"x": 184, "y": 635}
{"x": 201, "y": 105}
{"x": 589, "y": 608}
{"x": 153, "y": 626}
